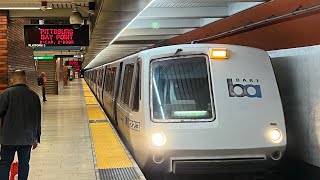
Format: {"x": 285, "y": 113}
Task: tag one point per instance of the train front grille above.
{"x": 236, "y": 165}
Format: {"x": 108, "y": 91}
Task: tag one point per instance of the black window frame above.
{"x": 214, "y": 115}
{"x": 113, "y": 79}
{"x": 125, "y": 96}
{"x": 136, "y": 96}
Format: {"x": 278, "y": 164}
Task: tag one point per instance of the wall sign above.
{"x": 43, "y": 57}
{"x": 73, "y": 63}
{"x": 55, "y": 35}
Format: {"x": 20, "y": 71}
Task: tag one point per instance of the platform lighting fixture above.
{"x": 115, "y": 38}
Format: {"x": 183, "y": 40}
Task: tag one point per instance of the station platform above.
{"x": 78, "y": 141}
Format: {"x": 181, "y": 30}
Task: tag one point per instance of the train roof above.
{"x": 180, "y": 46}
{"x": 165, "y": 48}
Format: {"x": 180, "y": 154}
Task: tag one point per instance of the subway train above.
{"x": 195, "y": 108}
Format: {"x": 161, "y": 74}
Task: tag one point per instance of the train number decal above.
{"x": 134, "y": 125}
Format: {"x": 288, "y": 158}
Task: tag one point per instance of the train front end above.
{"x": 214, "y": 108}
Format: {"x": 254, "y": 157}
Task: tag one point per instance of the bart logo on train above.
{"x": 242, "y": 89}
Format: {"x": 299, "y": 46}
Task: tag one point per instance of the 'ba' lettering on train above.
{"x": 242, "y": 89}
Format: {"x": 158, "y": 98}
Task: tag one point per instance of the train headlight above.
{"x": 159, "y": 139}
{"x": 276, "y": 135}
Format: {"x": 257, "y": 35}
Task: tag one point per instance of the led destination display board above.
{"x": 55, "y": 35}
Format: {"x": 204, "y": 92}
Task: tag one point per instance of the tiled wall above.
{"x": 3, "y": 50}
{"x": 20, "y": 56}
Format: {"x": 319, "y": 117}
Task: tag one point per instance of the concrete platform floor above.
{"x": 65, "y": 151}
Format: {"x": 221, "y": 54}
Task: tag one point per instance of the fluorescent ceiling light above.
{"x": 23, "y": 8}
{"x": 131, "y": 22}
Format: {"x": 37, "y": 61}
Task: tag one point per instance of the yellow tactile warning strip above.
{"x": 86, "y": 90}
{"x": 109, "y": 151}
{"x": 95, "y": 113}
{"x": 112, "y": 159}
{"x": 88, "y": 93}
{"x": 91, "y": 100}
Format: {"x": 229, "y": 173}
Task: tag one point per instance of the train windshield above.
{"x": 180, "y": 90}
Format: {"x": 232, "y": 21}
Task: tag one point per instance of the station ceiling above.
{"x": 124, "y": 27}
{"x": 278, "y": 24}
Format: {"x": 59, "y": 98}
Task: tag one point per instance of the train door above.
{"x": 136, "y": 118}
{"x": 101, "y": 76}
{"x": 104, "y": 89}
{"x": 116, "y": 91}
{"x": 94, "y": 82}
{"x": 112, "y": 89}
{"x": 108, "y": 97}
{"x": 91, "y": 78}
{"x": 123, "y": 104}
{"x": 97, "y": 83}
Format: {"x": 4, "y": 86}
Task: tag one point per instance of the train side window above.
{"x": 105, "y": 84}
{"x": 107, "y": 81}
{"x": 137, "y": 89}
{"x": 94, "y": 76}
{"x": 127, "y": 81}
{"x": 110, "y": 80}
{"x": 101, "y": 76}
{"x": 113, "y": 78}
{"x": 97, "y": 77}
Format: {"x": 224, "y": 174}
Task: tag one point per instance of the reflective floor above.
{"x": 65, "y": 151}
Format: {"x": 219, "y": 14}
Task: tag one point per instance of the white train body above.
{"x": 181, "y": 110}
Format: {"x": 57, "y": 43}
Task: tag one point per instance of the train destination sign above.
{"x": 55, "y": 35}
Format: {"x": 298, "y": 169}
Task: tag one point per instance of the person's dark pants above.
{"x": 44, "y": 93}
{"x": 7, "y": 157}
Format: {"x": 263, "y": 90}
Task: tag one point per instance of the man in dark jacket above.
{"x": 20, "y": 126}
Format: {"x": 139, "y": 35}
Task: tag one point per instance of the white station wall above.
{"x": 298, "y": 75}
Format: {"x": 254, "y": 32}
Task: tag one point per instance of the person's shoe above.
{"x": 44, "y": 100}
